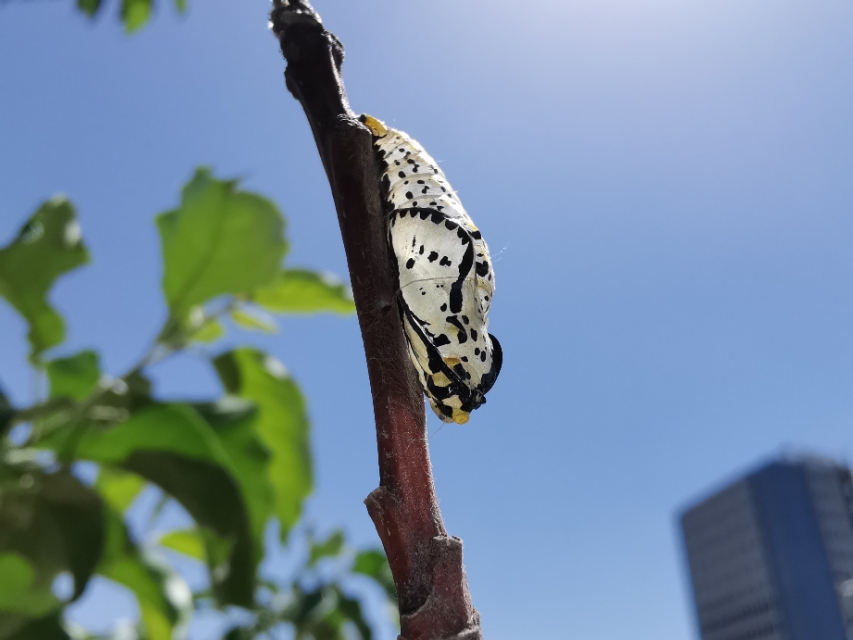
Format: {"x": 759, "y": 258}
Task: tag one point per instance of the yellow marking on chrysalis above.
{"x": 440, "y": 379}
{"x": 376, "y": 126}
{"x": 460, "y": 417}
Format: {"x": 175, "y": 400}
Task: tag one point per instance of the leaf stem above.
{"x": 171, "y": 339}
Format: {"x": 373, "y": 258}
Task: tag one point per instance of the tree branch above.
{"x": 426, "y": 563}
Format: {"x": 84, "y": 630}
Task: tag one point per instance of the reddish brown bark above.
{"x": 426, "y": 563}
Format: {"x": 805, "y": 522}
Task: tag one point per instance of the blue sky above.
{"x": 665, "y": 187}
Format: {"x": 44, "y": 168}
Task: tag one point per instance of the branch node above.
{"x": 448, "y": 610}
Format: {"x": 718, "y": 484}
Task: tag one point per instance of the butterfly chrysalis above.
{"x": 446, "y": 277}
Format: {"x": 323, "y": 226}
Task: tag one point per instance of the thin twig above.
{"x": 171, "y": 339}
{"x": 426, "y": 563}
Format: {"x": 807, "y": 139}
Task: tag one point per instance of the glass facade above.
{"x": 771, "y": 555}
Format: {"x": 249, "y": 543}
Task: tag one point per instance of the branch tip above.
{"x": 289, "y": 12}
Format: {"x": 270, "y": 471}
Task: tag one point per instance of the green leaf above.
{"x": 235, "y": 423}
{"x": 331, "y": 546}
{"x": 174, "y": 428}
{"x": 237, "y": 633}
{"x": 282, "y": 424}
{"x": 213, "y": 499}
{"x": 18, "y": 575}
{"x": 173, "y": 447}
{"x": 118, "y": 488}
{"x": 200, "y": 544}
{"x": 89, "y": 7}
{"x": 48, "y": 628}
{"x": 306, "y": 608}
{"x": 55, "y": 521}
{"x": 19, "y": 594}
{"x": 112, "y": 405}
{"x": 46, "y": 247}
{"x": 351, "y": 608}
{"x": 209, "y": 332}
{"x": 181, "y": 5}
{"x": 75, "y": 376}
{"x": 55, "y": 524}
{"x": 319, "y": 614}
{"x": 135, "y": 14}
{"x": 196, "y": 326}
{"x": 219, "y": 241}
{"x": 373, "y": 564}
{"x": 253, "y": 319}
{"x": 131, "y": 393}
{"x": 302, "y": 291}
{"x": 165, "y": 601}
{"x": 202, "y": 328}
{"x": 186, "y": 541}
{"x": 6, "y": 414}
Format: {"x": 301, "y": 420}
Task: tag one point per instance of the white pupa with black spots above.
{"x": 446, "y": 277}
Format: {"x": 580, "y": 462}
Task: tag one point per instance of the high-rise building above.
{"x": 771, "y": 555}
